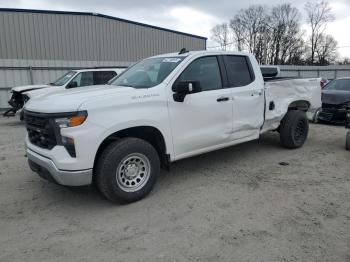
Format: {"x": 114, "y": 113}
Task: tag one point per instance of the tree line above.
{"x": 274, "y": 34}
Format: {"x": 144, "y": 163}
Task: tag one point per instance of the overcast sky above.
{"x": 195, "y": 16}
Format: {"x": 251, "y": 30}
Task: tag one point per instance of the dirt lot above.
{"x": 237, "y": 204}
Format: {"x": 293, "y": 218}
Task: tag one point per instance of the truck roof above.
{"x": 204, "y": 52}
{"x": 99, "y": 69}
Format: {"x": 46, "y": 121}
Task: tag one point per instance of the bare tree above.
{"x": 220, "y": 34}
{"x": 326, "y": 50}
{"x": 270, "y": 34}
{"x": 319, "y": 14}
{"x": 344, "y": 61}
{"x": 274, "y": 34}
{"x": 285, "y": 32}
{"x": 296, "y": 54}
{"x": 250, "y": 31}
{"x": 239, "y": 32}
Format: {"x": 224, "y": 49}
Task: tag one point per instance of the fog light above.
{"x": 68, "y": 143}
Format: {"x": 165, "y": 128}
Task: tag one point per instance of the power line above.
{"x": 218, "y": 46}
{"x": 228, "y": 44}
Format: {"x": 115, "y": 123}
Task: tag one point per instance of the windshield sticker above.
{"x": 171, "y": 60}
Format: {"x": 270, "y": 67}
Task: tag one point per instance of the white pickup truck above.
{"x": 162, "y": 109}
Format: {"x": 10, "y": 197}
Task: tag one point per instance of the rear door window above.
{"x": 102, "y": 77}
{"x": 239, "y": 70}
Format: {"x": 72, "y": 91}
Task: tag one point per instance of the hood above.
{"x": 28, "y": 88}
{"x": 69, "y": 100}
{"x": 43, "y": 91}
{"x": 335, "y": 97}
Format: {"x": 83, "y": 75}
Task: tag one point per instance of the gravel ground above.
{"x": 236, "y": 204}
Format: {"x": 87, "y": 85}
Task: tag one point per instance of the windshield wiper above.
{"x": 126, "y": 85}
{"x": 141, "y": 87}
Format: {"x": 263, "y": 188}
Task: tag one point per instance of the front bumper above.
{"x": 47, "y": 169}
{"x": 336, "y": 116}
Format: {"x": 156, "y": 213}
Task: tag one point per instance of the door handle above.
{"x": 222, "y": 99}
{"x": 258, "y": 93}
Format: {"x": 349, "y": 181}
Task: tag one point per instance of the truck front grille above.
{"x": 41, "y": 131}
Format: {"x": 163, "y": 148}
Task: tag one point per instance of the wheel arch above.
{"x": 150, "y": 134}
{"x": 302, "y": 105}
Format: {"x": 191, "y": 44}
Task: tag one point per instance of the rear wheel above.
{"x": 127, "y": 170}
{"x": 347, "y": 144}
{"x": 294, "y": 129}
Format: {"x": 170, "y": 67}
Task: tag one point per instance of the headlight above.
{"x": 72, "y": 120}
{"x": 69, "y": 120}
{"x": 25, "y": 98}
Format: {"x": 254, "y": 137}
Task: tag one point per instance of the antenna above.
{"x": 183, "y": 51}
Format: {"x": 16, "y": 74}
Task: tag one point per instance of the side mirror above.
{"x": 72, "y": 84}
{"x": 183, "y": 88}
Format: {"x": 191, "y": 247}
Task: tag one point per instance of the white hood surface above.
{"x": 43, "y": 91}
{"x": 28, "y": 87}
{"x": 69, "y": 100}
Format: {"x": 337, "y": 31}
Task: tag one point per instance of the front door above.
{"x": 204, "y": 119}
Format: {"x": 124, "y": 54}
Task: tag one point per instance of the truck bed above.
{"x": 280, "y": 91}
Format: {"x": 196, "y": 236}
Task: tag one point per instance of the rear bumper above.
{"x": 47, "y": 169}
{"x": 337, "y": 116}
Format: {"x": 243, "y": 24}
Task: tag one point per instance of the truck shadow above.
{"x": 180, "y": 171}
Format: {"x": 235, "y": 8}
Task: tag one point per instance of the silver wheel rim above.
{"x": 133, "y": 172}
{"x": 316, "y": 115}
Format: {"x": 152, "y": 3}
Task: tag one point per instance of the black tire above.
{"x": 114, "y": 158}
{"x": 294, "y": 129}
{"x": 347, "y": 144}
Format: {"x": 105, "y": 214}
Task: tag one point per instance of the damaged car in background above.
{"x": 335, "y": 101}
{"x": 71, "y": 79}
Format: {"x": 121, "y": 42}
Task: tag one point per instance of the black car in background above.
{"x": 335, "y": 100}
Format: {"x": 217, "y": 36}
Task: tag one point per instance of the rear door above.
{"x": 247, "y": 95}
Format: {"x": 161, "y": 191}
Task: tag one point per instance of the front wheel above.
{"x": 294, "y": 129}
{"x": 127, "y": 170}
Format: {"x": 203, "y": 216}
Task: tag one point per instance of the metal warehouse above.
{"x": 38, "y": 46}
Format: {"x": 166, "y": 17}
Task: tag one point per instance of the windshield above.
{"x": 148, "y": 73}
{"x": 64, "y": 79}
{"x": 338, "y": 84}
